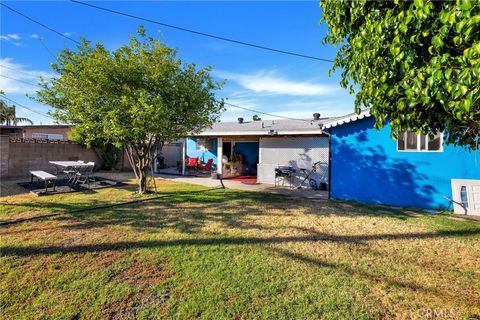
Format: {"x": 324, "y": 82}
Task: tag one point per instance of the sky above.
{"x": 257, "y": 79}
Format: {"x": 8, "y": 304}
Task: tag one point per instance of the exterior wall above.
{"x": 28, "y": 131}
{"x": 4, "y": 154}
{"x": 298, "y": 152}
{"x": 249, "y": 150}
{"x": 25, "y": 156}
{"x": 172, "y": 152}
{"x": 366, "y": 167}
{"x": 203, "y": 154}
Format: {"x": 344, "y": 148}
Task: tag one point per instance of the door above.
{"x": 466, "y": 196}
{"x": 227, "y": 150}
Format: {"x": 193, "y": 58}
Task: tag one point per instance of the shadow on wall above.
{"x": 368, "y": 175}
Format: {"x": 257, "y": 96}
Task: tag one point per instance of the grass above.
{"x": 222, "y": 254}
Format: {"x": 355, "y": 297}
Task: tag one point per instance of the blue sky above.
{"x": 262, "y": 80}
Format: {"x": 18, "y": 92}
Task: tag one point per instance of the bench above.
{"x": 45, "y": 176}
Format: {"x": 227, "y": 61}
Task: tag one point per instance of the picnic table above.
{"x": 71, "y": 168}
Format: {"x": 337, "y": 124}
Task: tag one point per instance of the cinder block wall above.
{"x": 4, "y": 154}
{"x": 24, "y": 156}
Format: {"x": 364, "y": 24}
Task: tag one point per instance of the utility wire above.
{"x": 226, "y": 103}
{"x": 23, "y": 106}
{"x": 42, "y": 42}
{"x": 39, "y": 23}
{"x": 156, "y": 22}
{"x": 265, "y": 113}
{"x": 26, "y": 82}
{"x": 202, "y": 33}
{"x": 14, "y": 69}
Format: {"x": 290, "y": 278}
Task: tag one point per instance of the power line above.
{"x": 227, "y": 103}
{"x": 39, "y": 23}
{"x": 14, "y": 69}
{"x": 23, "y": 106}
{"x": 202, "y": 33}
{"x": 171, "y": 26}
{"x": 26, "y": 82}
{"x": 40, "y": 39}
{"x": 265, "y": 113}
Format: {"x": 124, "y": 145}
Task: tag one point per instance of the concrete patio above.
{"x": 255, "y": 187}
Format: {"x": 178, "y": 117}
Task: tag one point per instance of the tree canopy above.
{"x": 8, "y": 114}
{"x": 137, "y": 96}
{"x": 416, "y": 64}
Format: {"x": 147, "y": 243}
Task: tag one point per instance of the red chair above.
{"x": 192, "y": 163}
{"x": 207, "y": 166}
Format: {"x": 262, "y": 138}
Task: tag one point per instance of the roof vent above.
{"x": 240, "y": 120}
{"x": 316, "y": 116}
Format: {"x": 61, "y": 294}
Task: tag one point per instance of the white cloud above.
{"x": 34, "y": 36}
{"x": 13, "y": 36}
{"x": 10, "y": 70}
{"x": 67, "y": 34}
{"x": 270, "y": 82}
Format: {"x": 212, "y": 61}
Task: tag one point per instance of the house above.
{"x": 39, "y": 132}
{"x": 256, "y": 148}
{"x": 367, "y": 165}
{"x": 46, "y": 132}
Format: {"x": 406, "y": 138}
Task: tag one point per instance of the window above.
{"x": 47, "y": 136}
{"x": 464, "y": 197}
{"x": 204, "y": 144}
{"x": 411, "y": 141}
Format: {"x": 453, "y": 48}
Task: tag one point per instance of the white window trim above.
{"x": 418, "y": 145}
{"x": 50, "y": 136}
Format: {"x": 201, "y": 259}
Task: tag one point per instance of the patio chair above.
{"x": 85, "y": 174}
{"x": 192, "y": 163}
{"x": 206, "y": 167}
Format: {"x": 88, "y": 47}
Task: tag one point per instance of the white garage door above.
{"x": 298, "y": 152}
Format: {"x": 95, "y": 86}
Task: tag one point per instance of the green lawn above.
{"x": 215, "y": 254}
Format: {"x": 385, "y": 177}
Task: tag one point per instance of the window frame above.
{"x": 204, "y": 147}
{"x": 419, "y": 143}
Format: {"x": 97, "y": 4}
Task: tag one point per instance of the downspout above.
{"x": 184, "y": 154}
{"x": 329, "y": 135}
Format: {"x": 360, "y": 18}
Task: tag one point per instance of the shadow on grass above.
{"x": 124, "y": 245}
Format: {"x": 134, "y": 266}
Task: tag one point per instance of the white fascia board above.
{"x": 257, "y": 133}
{"x": 347, "y": 119}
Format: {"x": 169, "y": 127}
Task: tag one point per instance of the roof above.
{"x": 36, "y": 126}
{"x": 266, "y": 128}
{"x": 347, "y": 118}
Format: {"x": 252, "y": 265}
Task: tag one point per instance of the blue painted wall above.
{"x": 249, "y": 150}
{"x": 367, "y": 167}
{"x": 204, "y": 155}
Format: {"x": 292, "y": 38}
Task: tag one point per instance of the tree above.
{"x": 137, "y": 97}
{"x": 8, "y": 114}
{"x": 256, "y": 118}
{"x": 416, "y": 64}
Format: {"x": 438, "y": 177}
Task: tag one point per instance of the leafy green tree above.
{"x": 8, "y": 114}
{"x": 256, "y": 118}
{"x": 416, "y": 64}
{"x": 137, "y": 97}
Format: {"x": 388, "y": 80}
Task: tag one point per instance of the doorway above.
{"x": 227, "y": 149}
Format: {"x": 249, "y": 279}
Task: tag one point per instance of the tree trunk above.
{"x": 142, "y": 181}
{"x": 140, "y": 157}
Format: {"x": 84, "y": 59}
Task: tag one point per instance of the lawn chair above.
{"x": 206, "y": 167}
{"x": 192, "y": 163}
